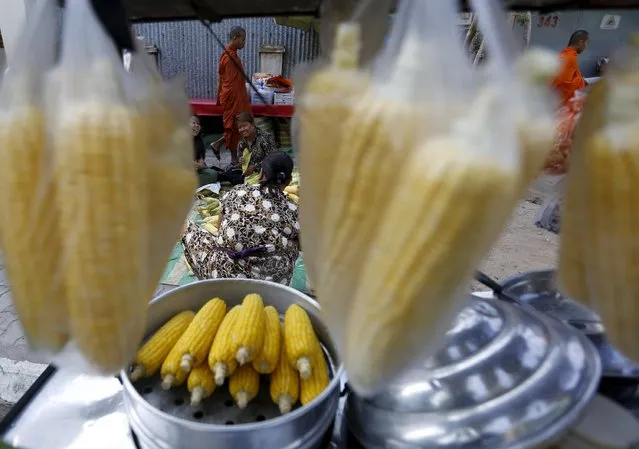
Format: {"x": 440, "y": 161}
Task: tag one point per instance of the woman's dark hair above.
{"x": 244, "y": 117}
{"x": 277, "y": 169}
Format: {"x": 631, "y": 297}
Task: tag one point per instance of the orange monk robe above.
{"x": 569, "y": 79}
{"x": 231, "y": 95}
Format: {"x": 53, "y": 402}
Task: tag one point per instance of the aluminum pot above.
{"x": 303, "y": 428}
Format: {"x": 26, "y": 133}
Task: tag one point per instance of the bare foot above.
{"x": 217, "y": 146}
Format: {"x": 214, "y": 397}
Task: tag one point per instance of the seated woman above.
{"x": 258, "y": 234}
{"x": 205, "y": 175}
{"x": 255, "y": 145}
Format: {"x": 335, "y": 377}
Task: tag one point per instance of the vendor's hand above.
{"x": 199, "y": 164}
{"x": 249, "y": 170}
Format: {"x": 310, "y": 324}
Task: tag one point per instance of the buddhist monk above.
{"x": 231, "y": 92}
{"x": 569, "y": 79}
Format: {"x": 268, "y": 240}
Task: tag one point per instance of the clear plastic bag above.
{"x": 423, "y": 178}
{"x": 599, "y": 246}
{"x": 28, "y": 216}
{"x": 114, "y": 186}
{"x": 325, "y": 92}
{"x": 171, "y": 176}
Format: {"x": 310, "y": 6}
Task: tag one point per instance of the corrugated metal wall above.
{"x": 187, "y": 48}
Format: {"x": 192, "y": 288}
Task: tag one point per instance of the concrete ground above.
{"x": 522, "y": 247}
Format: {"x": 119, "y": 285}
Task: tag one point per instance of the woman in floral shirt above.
{"x": 259, "y": 230}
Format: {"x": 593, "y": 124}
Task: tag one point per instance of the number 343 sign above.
{"x": 548, "y": 20}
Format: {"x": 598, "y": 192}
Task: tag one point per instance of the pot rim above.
{"x": 333, "y": 385}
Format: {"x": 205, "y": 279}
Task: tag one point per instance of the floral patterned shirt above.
{"x": 254, "y": 216}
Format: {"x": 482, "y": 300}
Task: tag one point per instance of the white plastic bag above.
{"x": 28, "y": 214}
{"x": 423, "y": 180}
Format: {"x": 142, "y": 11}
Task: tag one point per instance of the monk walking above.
{"x": 231, "y": 92}
{"x": 569, "y": 79}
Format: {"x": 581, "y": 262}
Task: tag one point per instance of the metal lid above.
{"x": 506, "y": 376}
{"x": 539, "y": 290}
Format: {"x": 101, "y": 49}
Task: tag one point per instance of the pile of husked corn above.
{"x": 203, "y": 349}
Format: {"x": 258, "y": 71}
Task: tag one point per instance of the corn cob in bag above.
{"x": 599, "y": 249}
{"x": 435, "y": 153}
{"x": 171, "y": 176}
{"x": 28, "y": 213}
{"x": 100, "y": 130}
{"x": 326, "y": 96}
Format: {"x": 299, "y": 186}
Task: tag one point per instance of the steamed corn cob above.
{"x": 322, "y": 112}
{"x": 29, "y": 228}
{"x": 391, "y": 308}
{"x": 598, "y": 262}
{"x": 294, "y": 190}
{"x": 102, "y": 199}
{"x": 318, "y": 381}
{"x": 294, "y": 198}
{"x": 195, "y": 344}
{"x": 267, "y": 359}
{"x": 221, "y": 358}
{"x": 247, "y": 337}
{"x": 300, "y": 340}
{"x": 171, "y": 373}
{"x": 200, "y": 383}
{"x": 285, "y": 382}
{"x": 151, "y": 355}
{"x": 244, "y": 384}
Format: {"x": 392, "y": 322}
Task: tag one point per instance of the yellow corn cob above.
{"x": 221, "y": 357}
{"x": 200, "y": 383}
{"x": 285, "y": 383}
{"x": 292, "y": 190}
{"x": 244, "y": 384}
{"x": 173, "y": 186}
{"x": 389, "y": 309}
{"x": 216, "y": 221}
{"x": 294, "y": 198}
{"x": 572, "y": 274}
{"x": 209, "y": 227}
{"x": 598, "y": 261}
{"x": 195, "y": 344}
{"x": 266, "y": 361}
{"x": 29, "y": 229}
{"x": 171, "y": 373}
{"x": 300, "y": 340}
{"x": 312, "y": 387}
{"x": 151, "y": 355}
{"x": 324, "y": 108}
{"x": 102, "y": 198}
{"x": 248, "y": 333}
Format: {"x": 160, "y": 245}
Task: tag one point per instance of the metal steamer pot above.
{"x": 506, "y": 377}
{"x": 538, "y": 290}
{"x": 165, "y": 420}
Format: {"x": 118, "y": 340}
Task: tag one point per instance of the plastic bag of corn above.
{"x": 351, "y": 34}
{"x": 171, "y": 176}
{"x": 599, "y": 246}
{"x": 392, "y": 259}
{"x": 120, "y": 141}
{"x": 28, "y": 214}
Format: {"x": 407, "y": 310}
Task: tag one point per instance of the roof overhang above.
{"x": 214, "y": 10}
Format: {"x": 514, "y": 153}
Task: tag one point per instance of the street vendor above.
{"x": 569, "y": 79}
{"x": 255, "y": 145}
{"x": 205, "y": 175}
{"x": 258, "y": 233}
